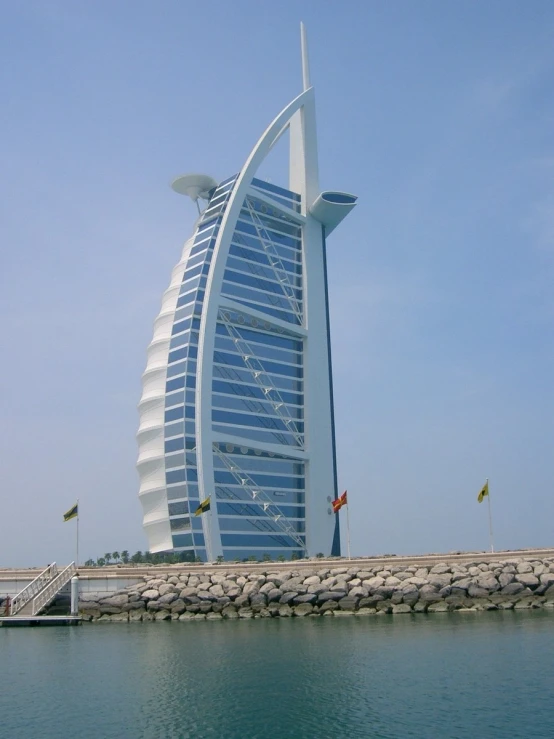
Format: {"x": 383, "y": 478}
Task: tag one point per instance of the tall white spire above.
{"x": 305, "y": 60}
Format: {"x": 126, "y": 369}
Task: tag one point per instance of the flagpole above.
{"x": 348, "y": 529}
{"x": 490, "y": 515}
{"x": 77, "y": 557}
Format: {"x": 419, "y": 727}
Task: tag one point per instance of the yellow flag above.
{"x": 203, "y": 507}
{"x": 484, "y": 491}
{"x": 73, "y": 512}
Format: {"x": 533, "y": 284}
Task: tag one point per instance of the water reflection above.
{"x": 445, "y": 675}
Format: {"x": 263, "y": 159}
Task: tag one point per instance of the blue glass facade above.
{"x": 257, "y": 388}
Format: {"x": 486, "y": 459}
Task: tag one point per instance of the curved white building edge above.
{"x": 237, "y": 405}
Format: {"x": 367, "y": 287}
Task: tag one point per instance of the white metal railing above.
{"x": 33, "y": 588}
{"x": 48, "y": 593}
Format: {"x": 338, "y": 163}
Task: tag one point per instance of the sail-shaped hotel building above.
{"x": 236, "y": 411}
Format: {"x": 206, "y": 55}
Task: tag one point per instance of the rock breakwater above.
{"x": 229, "y": 593}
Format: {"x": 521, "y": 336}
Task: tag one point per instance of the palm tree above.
{"x": 125, "y": 557}
{"x": 107, "y": 557}
{"x": 115, "y": 556}
{"x": 89, "y": 563}
{"x": 137, "y": 557}
{"x": 100, "y": 561}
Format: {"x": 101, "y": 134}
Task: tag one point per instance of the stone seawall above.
{"x": 231, "y": 593}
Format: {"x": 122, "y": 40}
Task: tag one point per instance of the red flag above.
{"x": 339, "y": 502}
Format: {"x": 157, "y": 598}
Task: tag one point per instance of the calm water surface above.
{"x": 475, "y": 675}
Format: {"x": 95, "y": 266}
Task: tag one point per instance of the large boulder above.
{"x": 440, "y": 569}
{"x": 150, "y": 595}
{"x": 258, "y": 600}
{"x": 373, "y": 583}
{"x": 488, "y": 582}
{"x": 288, "y": 597}
{"x": 348, "y": 603}
{"x": 306, "y": 598}
{"x": 439, "y": 580}
{"x": 512, "y": 588}
{"x": 505, "y": 578}
{"x": 167, "y": 598}
{"x": 167, "y": 588}
{"x": 333, "y": 595}
{"x": 115, "y": 600}
{"x": 313, "y": 580}
{"x": 528, "y": 580}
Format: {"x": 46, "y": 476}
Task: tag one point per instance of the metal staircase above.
{"x": 42, "y": 590}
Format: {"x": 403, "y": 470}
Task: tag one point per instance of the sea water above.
{"x": 476, "y": 675}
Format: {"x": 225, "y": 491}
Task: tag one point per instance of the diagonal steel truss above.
{"x": 260, "y": 376}
{"x": 268, "y": 506}
{"x": 281, "y": 274}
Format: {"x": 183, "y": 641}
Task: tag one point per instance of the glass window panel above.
{"x": 181, "y": 326}
{"x": 251, "y": 405}
{"x": 240, "y": 252}
{"x": 174, "y": 445}
{"x": 275, "y": 305}
{"x": 177, "y": 509}
{"x": 176, "y": 491}
{"x": 182, "y": 540}
{"x": 230, "y": 493}
{"x": 244, "y": 375}
{"x": 176, "y": 355}
{"x": 272, "y": 339}
{"x": 253, "y": 391}
{"x": 174, "y": 414}
{"x": 254, "y": 244}
{"x": 264, "y": 525}
{"x": 174, "y": 429}
{"x": 174, "y": 476}
{"x": 253, "y": 421}
{"x": 244, "y": 509}
{"x": 222, "y": 477}
{"x": 272, "y": 368}
{"x": 184, "y": 312}
{"x": 189, "y": 284}
{"x": 184, "y": 299}
{"x": 176, "y": 369}
{"x": 265, "y": 272}
{"x": 253, "y": 463}
{"x": 270, "y": 187}
{"x": 180, "y": 524}
{"x": 180, "y": 340}
{"x": 174, "y": 460}
{"x": 252, "y": 435}
{"x": 197, "y": 259}
{"x": 269, "y": 224}
{"x": 244, "y": 226}
{"x": 264, "y": 285}
{"x": 174, "y": 399}
{"x": 175, "y": 384}
{"x": 255, "y": 540}
{"x": 225, "y": 343}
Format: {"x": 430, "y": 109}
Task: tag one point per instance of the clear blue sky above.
{"x": 440, "y": 116}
